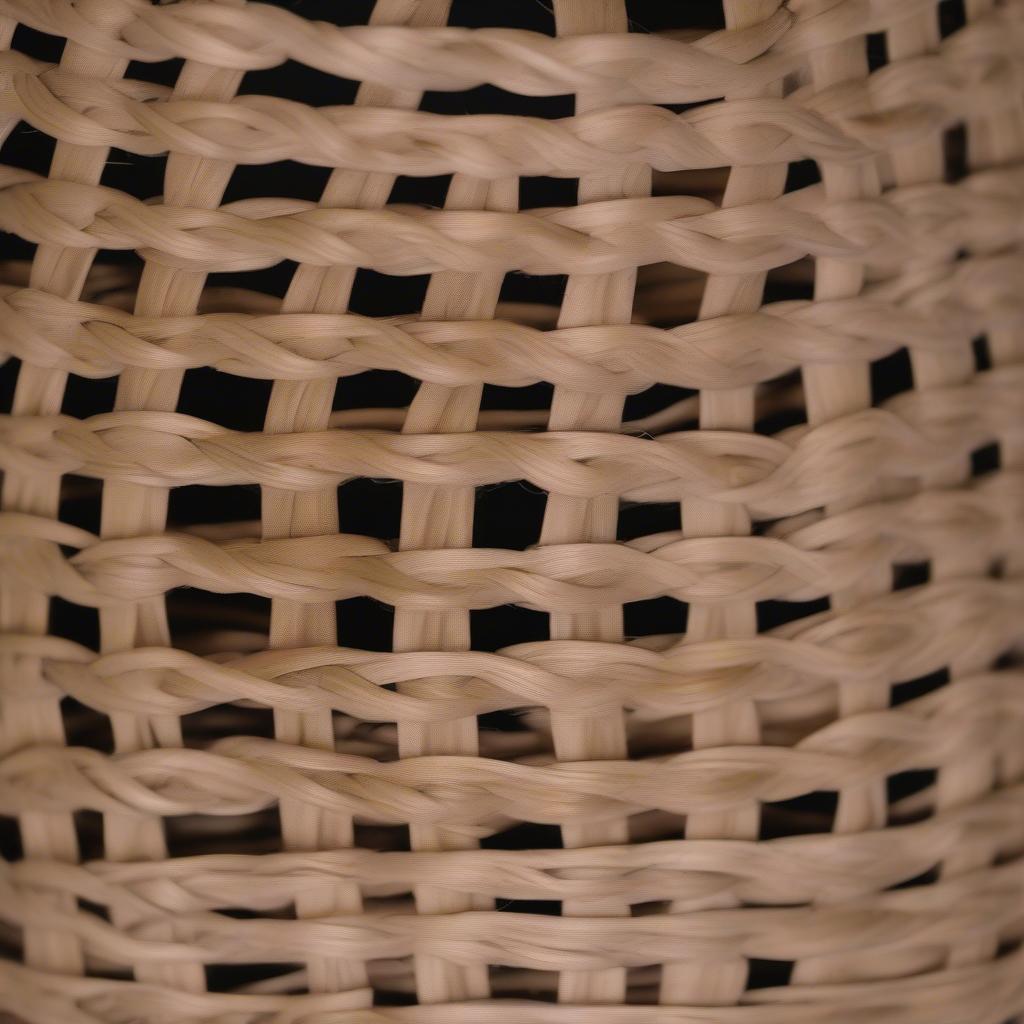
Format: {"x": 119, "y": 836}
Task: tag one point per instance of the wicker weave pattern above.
{"x": 817, "y": 817}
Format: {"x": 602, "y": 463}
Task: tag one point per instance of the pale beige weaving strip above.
{"x": 588, "y": 300}
{"x": 299, "y": 831}
{"x": 306, "y": 405}
{"x": 996, "y": 137}
{"x": 975, "y": 617}
{"x": 594, "y": 239}
{"x": 945, "y": 308}
{"x": 965, "y": 780}
{"x": 723, "y": 982}
{"x": 974, "y": 73}
{"x": 129, "y": 509}
{"x": 34, "y": 717}
{"x": 437, "y": 518}
{"x": 832, "y": 392}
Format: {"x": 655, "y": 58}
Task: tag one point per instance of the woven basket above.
{"x": 512, "y": 515}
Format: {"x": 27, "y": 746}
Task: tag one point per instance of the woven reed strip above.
{"x": 788, "y": 871}
{"x": 831, "y": 393}
{"x": 911, "y": 434}
{"x": 966, "y": 779}
{"x": 972, "y": 73}
{"x": 968, "y": 903}
{"x": 35, "y": 717}
{"x": 238, "y": 775}
{"x": 996, "y": 137}
{"x": 847, "y": 554}
{"x": 447, "y": 58}
{"x": 985, "y": 993}
{"x": 639, "y": 67}
{"x": 907, "y": 433}
{"x": 982, "y": 211}
{"x": 129, "y": 509}
{"x": 591, "y": 299}
{"x": 946, "y": 307}
{"x": 440, "y": 517}
{"x": 598, "y": 238}
{"x": 894, "y": 635}
{"x": 557, "y": 578}
{"x": 723, "y": 982}
{"x": 960, "y": 780}
{"x": 306, "y": 405}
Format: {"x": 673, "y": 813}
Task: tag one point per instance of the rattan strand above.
{"x": 816, "y": 819}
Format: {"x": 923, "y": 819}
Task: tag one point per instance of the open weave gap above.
{"x": 511, "y": 512}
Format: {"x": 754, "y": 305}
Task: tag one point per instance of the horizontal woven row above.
{"x": 977, "y": 70}
{"x": 944, "y": 310}
{"x": 924, "y": 915}
{"x": 980, "y": 525}
{"x": 635, "y": 66}
{"x": 818, "y": 869}
{"x": 982, "y": 213}
{"x": 240, "y": 775}
{"x": 797, "y": 470}
{"x": 905, "y": 635}
{"x": 942, "y": 997}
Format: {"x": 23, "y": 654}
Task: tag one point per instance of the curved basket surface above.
{"x": 511, "y": 512}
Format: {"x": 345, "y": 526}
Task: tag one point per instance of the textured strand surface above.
{"x": 512, "y": 513}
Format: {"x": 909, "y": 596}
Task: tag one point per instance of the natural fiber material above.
{"x": 510, "y": 515}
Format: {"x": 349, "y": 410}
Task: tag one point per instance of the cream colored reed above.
{"x": 662, "y": 760}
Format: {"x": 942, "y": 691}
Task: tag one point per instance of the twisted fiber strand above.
{"x": 837, "y": 929}
{"x": 307, "y": 405}
{"x": 798, "y": 470}
{"x": 439, "y": 518}
{"x": 833, "y": 392}
{"x": 917, "y": 916}
{"x": 983, "y": 993}
{"x": 981, "y": 212}
{"x": 798, "y": 869}
{"x": 569, "y": 577}
{"x": 957, "y": 784}
{"x": 240, "y": 775}
{"x": 474, "y": 797}
{"x": 966, "y": 780}
{"x": 926, "y": 160}
{"x": 138, "y": 117}
{"x": 732, "y": 350}
{"x": 555, "y": 577}
{"x": 908, "y": 634}
{"x": 589, "y": 299}
{"x": 977, "y": 68}
{"x": 64, "y": 271}
{"x": 723, "y": 981}
{"x": 128, "y": 509}
{"x": 992, "y": 140}
{"x": 633, "y": 66}
{"x": 42, "y": 998}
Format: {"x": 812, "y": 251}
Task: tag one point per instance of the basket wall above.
{"x": 512, "y": 513}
